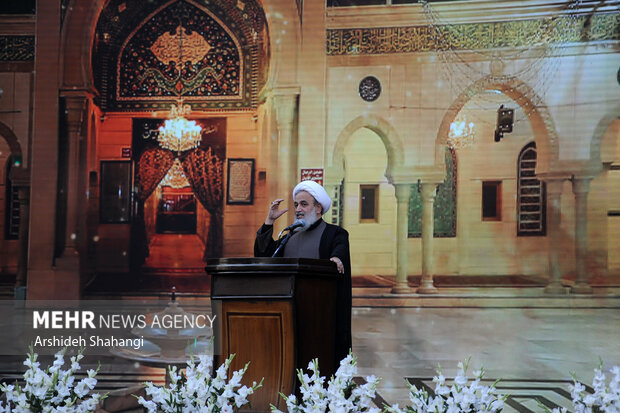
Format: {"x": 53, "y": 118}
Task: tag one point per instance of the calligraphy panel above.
{"x": 16, "y": 48}
{"x": 240, "y": 188}
{"x": 520, "y": 33}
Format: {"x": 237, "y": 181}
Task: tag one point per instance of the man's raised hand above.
{"x": 274, "y": 211}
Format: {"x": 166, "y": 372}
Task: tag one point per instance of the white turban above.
{"x": 317, "y": 191}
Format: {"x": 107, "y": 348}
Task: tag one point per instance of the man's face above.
{"x": 306, "y": 208}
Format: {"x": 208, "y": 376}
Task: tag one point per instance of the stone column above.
{"x": 581, "y": 187}
{"x": 285, "y": 105}
{"x": 20, "y": 178}
{"x": 23, "y": 194}
{"x": 403, "y": 191}
{"x": 429, "y": 191}
{"x": 68, "y": 270}
{"x": 42, "y": 161}
{"x": 92, "y": 222}
{"x": 75, "y": 108}
{"x": 554, "y": 236}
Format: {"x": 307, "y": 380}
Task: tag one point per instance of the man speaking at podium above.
{"x": 313, "y": 238}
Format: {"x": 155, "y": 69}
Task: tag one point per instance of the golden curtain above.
{"x": 204, "y": 170}
{"x": 153, "y": 165}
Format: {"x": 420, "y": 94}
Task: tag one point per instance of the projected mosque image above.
{"x": 447, "y": 173}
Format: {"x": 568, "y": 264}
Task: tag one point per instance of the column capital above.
{"x": 581, "y": 184}
{"x": 76, "y": 103}
{"x": 285, "y": 90}
{"x": 285, "y": 106}
{"x": 428, "y": 191}
{"x": 403, "y": 192}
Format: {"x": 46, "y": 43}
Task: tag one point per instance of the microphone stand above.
{"x": 282, "y": 243}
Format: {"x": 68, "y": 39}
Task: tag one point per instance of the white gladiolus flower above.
{"x": 458, "y": 398}
{"x": 197, "y": 391}
{"x": 604, "y": 399}
{"x": 52, "y": 389}
{"x": 342, "y": 394}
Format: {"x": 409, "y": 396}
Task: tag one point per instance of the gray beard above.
{"x": 310, "y": 219}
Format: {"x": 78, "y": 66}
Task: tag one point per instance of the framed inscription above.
{"x": 312, "y": 174}
{"x": 240, "y": 187}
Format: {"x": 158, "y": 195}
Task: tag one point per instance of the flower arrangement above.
{"x": 456, "y": 398}
{"x": 197, "y": 391}
{"x": 52, "y": 389}
{"x": 342, "y": 395}
{"x": 604, "y": 399}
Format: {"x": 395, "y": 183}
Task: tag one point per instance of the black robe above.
{"x": 334, "y": 243}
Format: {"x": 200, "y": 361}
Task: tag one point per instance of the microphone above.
{"x": 298, "y": 223}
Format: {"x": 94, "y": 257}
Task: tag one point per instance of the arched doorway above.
{"x": 387, "y": 156}
{"x": 369, "y": 205}
{"x": 9, "y": 227}
{"x": 179, "y": 200}
{"x": 490, "y": 192}
{"x": 493, "y": 165}
{"x": 14, "y": 207}
{"x": 176, "y": 224}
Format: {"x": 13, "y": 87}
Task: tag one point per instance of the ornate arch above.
{"x": 540, "y": 118}
{"x": 392, "y": 142}
{"x": 76, "y": 43}
{"x": 11, "y": 139}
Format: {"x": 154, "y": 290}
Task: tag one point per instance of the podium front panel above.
{"x": 278, "y": 314}
{"x": 260, "y": 333}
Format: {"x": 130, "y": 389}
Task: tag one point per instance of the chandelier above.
{"x": 175, "y": 178}
{"x": 461, "y": 133}
{"x": 179, "y": 134}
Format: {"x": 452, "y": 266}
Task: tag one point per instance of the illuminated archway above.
{"x": 540, "y": 119}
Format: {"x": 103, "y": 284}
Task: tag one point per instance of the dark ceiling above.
{"x": 17, "y": 6}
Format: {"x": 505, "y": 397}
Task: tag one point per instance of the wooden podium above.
{"x": 276, "y": 313}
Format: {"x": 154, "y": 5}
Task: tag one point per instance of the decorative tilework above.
{"x": 16, "y": 48}
{"x": 410, "y": 39}
{"x": 228, "y": 76}
{"x": 445, "y": 204}
{"x": 151, "y": 65}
